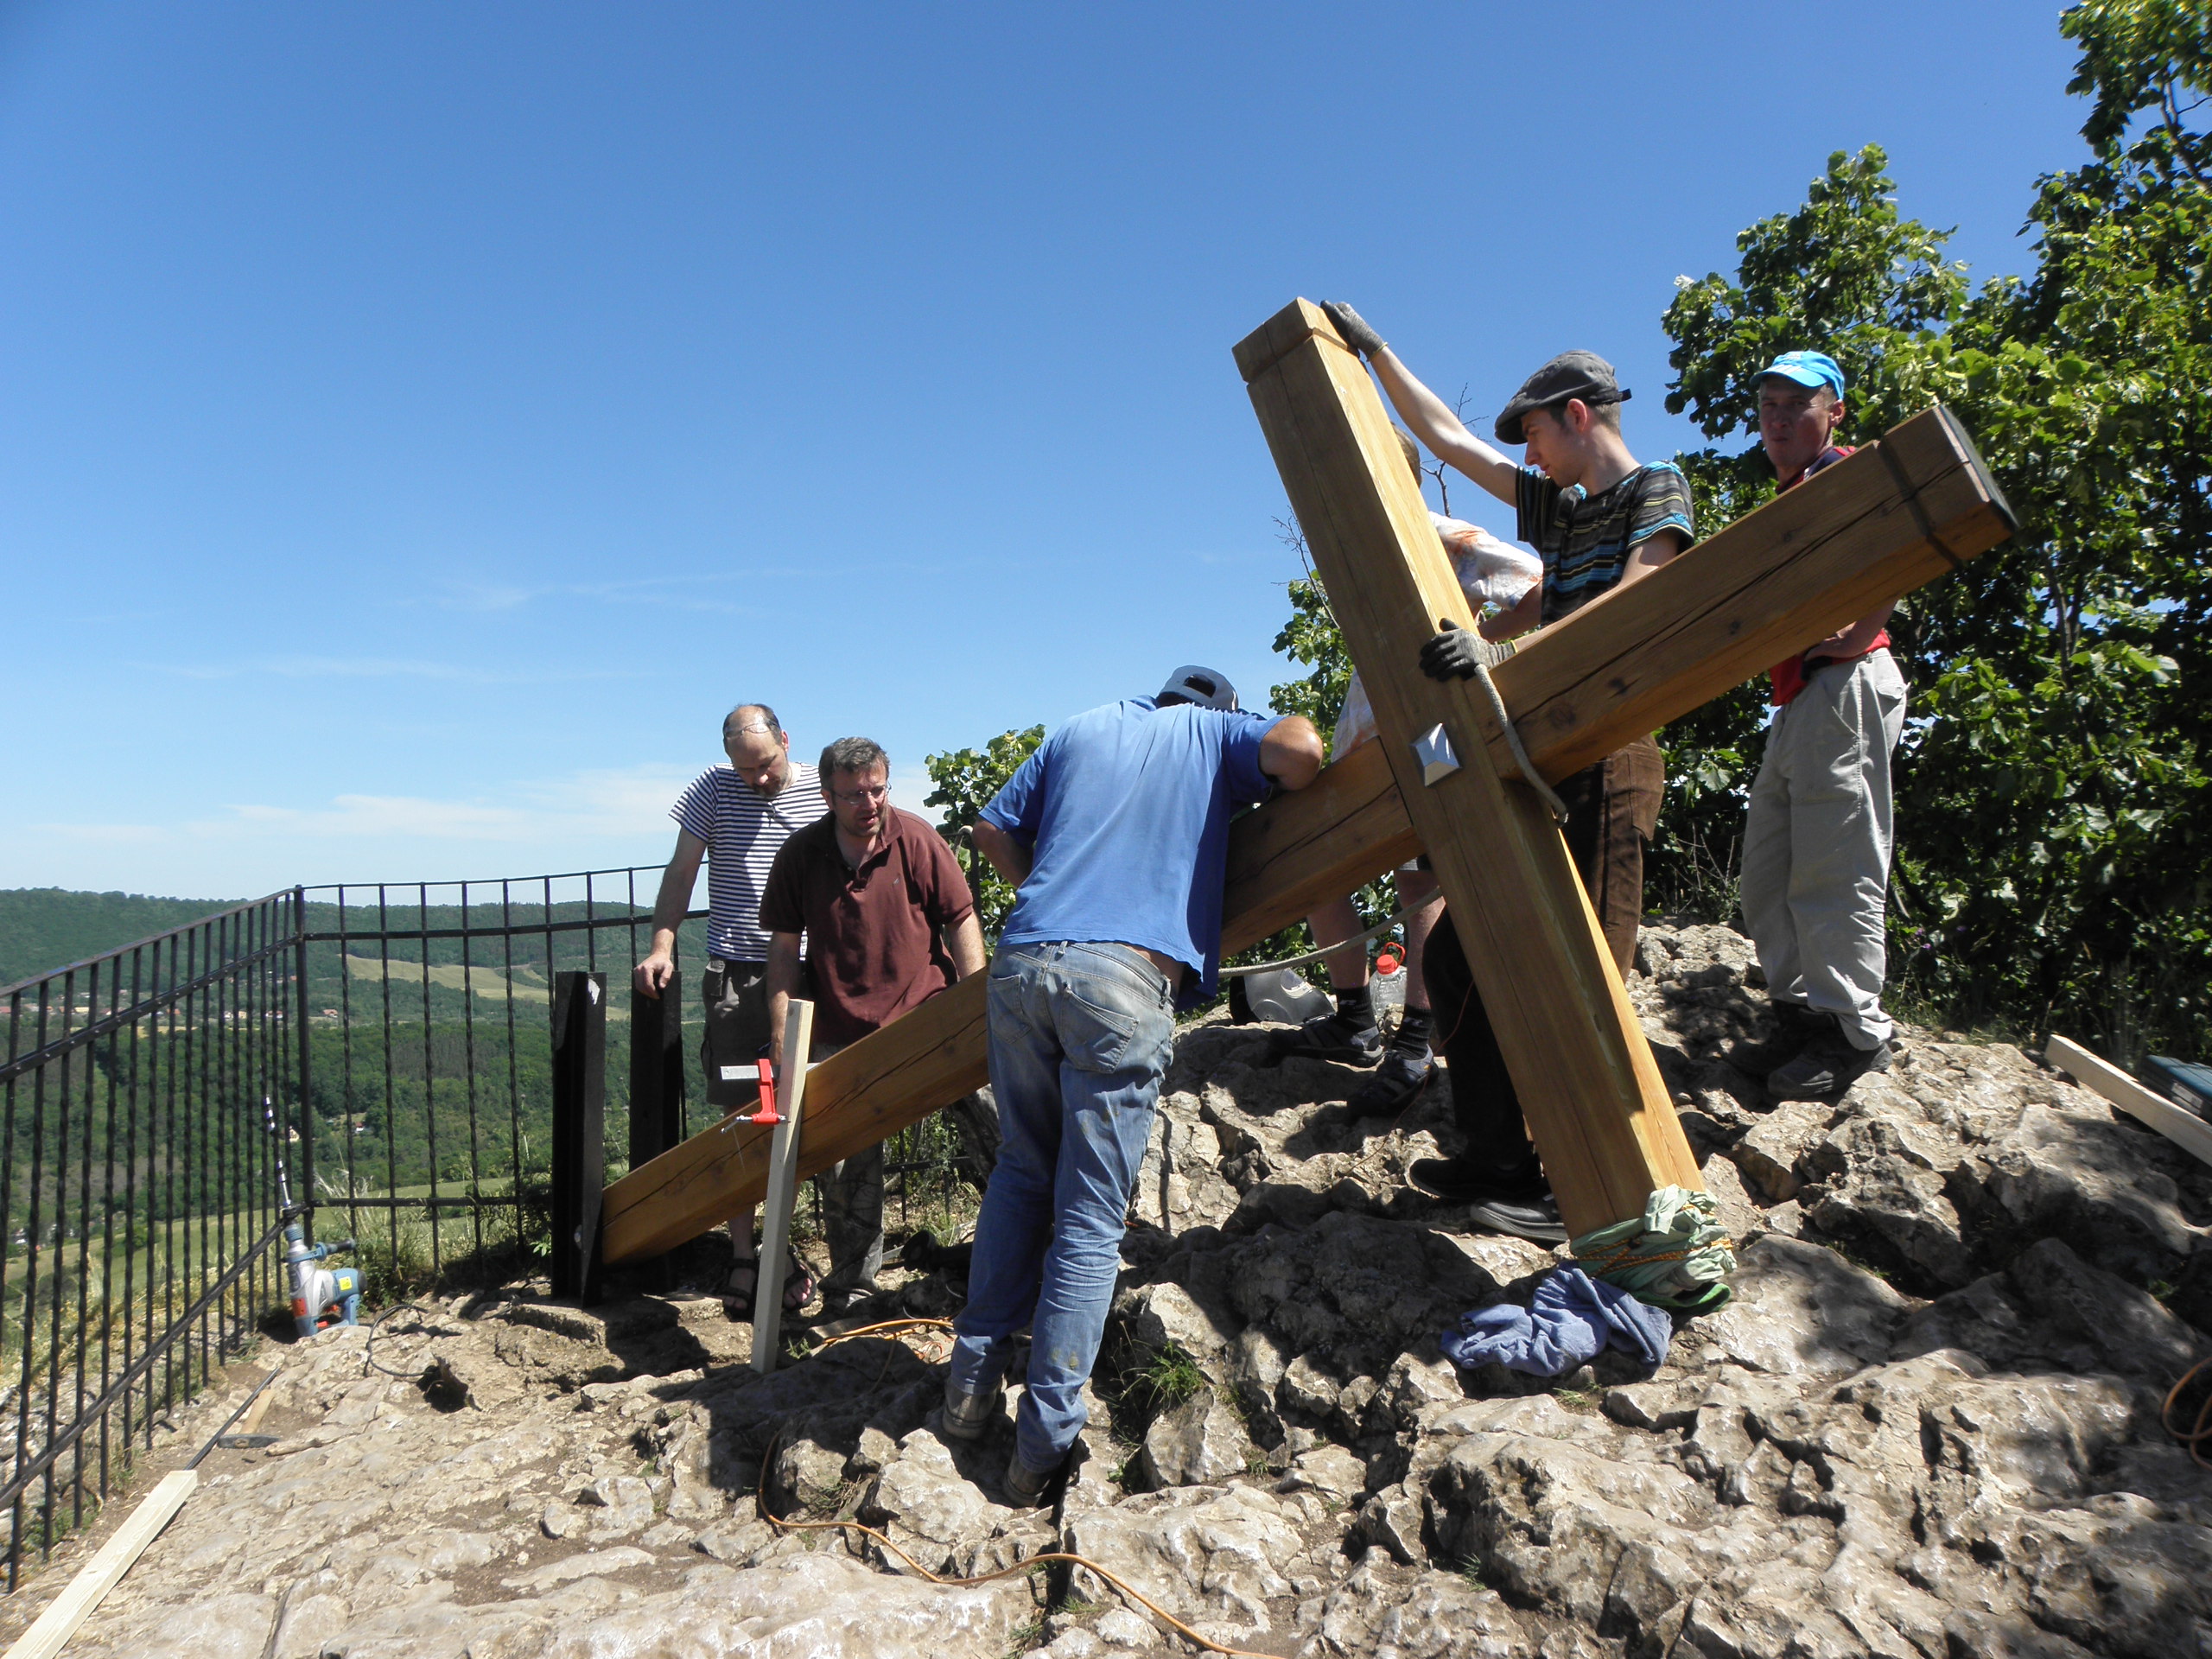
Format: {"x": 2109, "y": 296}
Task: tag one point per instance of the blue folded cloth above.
{"x": 1573, "y": 1320}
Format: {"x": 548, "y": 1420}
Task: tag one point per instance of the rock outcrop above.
{"x": 1927, "y": 1425}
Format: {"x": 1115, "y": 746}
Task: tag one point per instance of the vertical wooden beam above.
{"x": 1596, "y": 1107}
{"x": 783, "y": 1189}
{"x": 578, "y": 1130}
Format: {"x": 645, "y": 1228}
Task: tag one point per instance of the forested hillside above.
{"x": 45, "y": 928}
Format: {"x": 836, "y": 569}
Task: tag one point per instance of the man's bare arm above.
{"x": 1507, "y": 624}
{"x": 964, "y": 940}
{"x": 1854, "y": 641}
{"x": 1290, "y": 753}
{"x": 783, "y": 984}
{"x": 1009, "y": 857}
{"x": 674, "y": 899}
{"x": 1445, "y": 433}
{"x": 1435, "y": 425}
{"x": 1649, "y": 555}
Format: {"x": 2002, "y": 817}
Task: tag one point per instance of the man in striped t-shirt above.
{"x": 737, "y": 818}
{"x": 1600, "y": 521}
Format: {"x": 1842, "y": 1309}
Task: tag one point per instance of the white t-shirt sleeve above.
{"x": 1490, "y": 572}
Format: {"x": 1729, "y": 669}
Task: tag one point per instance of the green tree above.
{"x": 2051, "y": 865}
{"x": 966, "y": 780}
{"x": 1310, "y": 637}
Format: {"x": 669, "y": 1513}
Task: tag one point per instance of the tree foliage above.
{"x": 2051, "y": 862}
{"x": 966, "y": 780}
{"x": 2053, "y": 868}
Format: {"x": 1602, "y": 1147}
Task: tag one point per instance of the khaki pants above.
{"x": 1816, "y": 844}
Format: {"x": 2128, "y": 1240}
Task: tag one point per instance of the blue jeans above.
{"x": 1080, "y": 1037}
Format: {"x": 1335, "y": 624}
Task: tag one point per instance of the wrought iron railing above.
{"x": 429, "y": 1068}
{"x": 138, "y": 1178}
{"x": 388, "y": 1044}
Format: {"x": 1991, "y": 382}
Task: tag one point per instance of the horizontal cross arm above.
{"x": 1875, "y": 525}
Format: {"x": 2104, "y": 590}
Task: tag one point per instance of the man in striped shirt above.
{"x": 1600, "y": 521}
{"x": 737, "y": 818}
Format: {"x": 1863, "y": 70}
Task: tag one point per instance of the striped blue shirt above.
{"x": 744, "y": 830}
{"x": 1586, "y": 540}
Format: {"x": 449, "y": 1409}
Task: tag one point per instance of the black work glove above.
{"x": 1353, "y": 328}
{"x": 1452, "y": 654}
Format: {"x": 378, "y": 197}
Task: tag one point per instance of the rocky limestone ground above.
{"x": 1928, "y": 1425}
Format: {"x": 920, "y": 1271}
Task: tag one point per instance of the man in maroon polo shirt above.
{"x": 888, "y": 922}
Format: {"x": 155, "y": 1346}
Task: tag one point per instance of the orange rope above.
{"x": 2195, "y": 1438}
{"x": 768, "y": 1463}
{"x": 884, "y": 1325}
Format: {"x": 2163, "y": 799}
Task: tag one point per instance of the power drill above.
{"x": 316, "y": 1290}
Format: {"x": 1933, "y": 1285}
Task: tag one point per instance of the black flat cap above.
{"x": 1571, "y": 374}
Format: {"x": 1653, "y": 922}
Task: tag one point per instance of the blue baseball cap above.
{"x": 1806, "y": 369}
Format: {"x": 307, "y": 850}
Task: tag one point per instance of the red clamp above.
{"x": 767, "y": 1112}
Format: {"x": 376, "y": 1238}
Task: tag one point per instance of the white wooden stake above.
{"x": 783, "y": 1183}
{"x": 2184, "y": 1128}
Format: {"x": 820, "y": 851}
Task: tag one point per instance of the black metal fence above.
{"x": 390, "y": 1045}
{"x": 430, "y": 1072}
{"x": 138, "y": 1170}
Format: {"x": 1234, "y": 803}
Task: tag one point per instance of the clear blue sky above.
{"x": 419, "y": 423}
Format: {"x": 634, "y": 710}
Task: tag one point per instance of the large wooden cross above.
{"x": 1886, "y": 521}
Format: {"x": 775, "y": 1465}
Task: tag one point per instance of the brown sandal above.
{"x": 738, "y": 1298}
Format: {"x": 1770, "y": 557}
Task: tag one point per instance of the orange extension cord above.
{"x": 903, "y": 1326}
{"x": 2198, "y": 1438}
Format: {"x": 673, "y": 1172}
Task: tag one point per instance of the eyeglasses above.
{"x": 875, "y": 792}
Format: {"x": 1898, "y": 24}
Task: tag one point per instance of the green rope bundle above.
{"x": 1676, "y": 1255}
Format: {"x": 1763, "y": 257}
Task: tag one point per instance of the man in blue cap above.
{"x": 1116, "y": 835}
{"x": 1816, "y": 842}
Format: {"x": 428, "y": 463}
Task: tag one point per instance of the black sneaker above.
{"x": 1828, "y": 1065}
{"x": 1523, "y": 1208}
{"x": 1796, "y": 1025}
{"x": 1396, "y": 1082}
{"x": 1352, "y": 1039}
{"x": 1534, "y": 1219}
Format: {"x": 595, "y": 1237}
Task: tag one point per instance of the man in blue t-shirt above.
{"x": 1115, "y": 833}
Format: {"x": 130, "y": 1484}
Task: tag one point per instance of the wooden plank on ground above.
{"x": 258, "y": 1408}
{"x": 104, "y": 1571}
{"x": 2184, "y": 1129}
{"x": 1590, "y": 1092}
